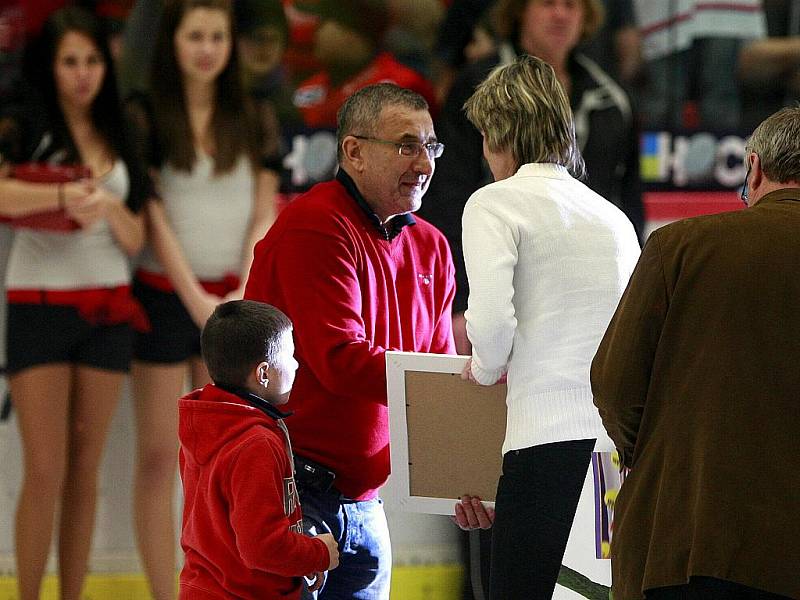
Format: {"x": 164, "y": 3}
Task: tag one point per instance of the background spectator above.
{"x": 12, "y": 46}
{"x": 263, "y": 34}
{"x": 769, "y": 69}
{"x": 691, "y": 50}
{"x": 210, "y": 151}
{"x": 617, "y": 45}
{"x": 455, "y": 33}
{"x": 348, "y": 41}
{"x": 483, "y": 42}
{"x": 138, "y": 46}
{"x": 411, "y": 34}
{"x": 348, "y": 44}
{"x": 69, "y": 336}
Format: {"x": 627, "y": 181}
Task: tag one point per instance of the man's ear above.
{"x": 756, "y": 173}
{"x": 351, "y": 148}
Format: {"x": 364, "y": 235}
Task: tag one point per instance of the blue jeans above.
{"x": 365, "y": 553}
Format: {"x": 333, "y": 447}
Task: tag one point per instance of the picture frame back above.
{"x": 446, "y": 433}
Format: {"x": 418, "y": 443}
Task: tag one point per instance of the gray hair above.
{"x": 521, "y": 107}
{"x": 777, "y": 142}
{"x": 360, "y": 112}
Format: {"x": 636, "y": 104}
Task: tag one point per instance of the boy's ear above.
{"x": 262, "y": 374}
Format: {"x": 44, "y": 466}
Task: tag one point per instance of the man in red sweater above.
{"x": 358, "y": 275}
{"x": 242, "y": 525}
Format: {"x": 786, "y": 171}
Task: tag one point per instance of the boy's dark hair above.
{"x": 239, "y": 335}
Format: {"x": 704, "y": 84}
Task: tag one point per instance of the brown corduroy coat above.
{"x": 698, "y": 383}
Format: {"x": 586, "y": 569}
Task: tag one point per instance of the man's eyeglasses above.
{"x": 409, "y": 149}
{"x": 745, "y": 193}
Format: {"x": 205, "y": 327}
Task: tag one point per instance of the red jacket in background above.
{"x": 351, "y": 295}
{"x": 318, "y": 100}
{"x": 242, "y": 523}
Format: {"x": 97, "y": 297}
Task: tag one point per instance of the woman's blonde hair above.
{"x": 508, "y": 13}
{"x": 522, "y": 108}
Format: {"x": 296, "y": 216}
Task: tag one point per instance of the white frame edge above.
{"x": 396, "y": 491}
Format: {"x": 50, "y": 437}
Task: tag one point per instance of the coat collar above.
{"x": 778, "y": 195}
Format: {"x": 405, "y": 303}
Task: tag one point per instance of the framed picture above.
{"x": 446, "y": 440}
{"x": 446, "y": 433}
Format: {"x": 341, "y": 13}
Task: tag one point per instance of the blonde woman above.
{"x": 552, "y": 30}
{"x": 547, "y": 260}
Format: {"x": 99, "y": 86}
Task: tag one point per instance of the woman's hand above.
{"x": 201, "y": 306}
{"x": 472, "y": 514}
{"x": 74, "y": 193}
{"x": 87, "y": 203}
{"x": 466, "y": 372}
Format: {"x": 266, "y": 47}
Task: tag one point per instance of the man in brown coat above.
{"x": 698, "y": 383}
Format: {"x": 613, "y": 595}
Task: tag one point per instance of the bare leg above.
{"x": 41, "y": 399}
{"x": 94, "y": 399}
{"x": 157, "y": 388}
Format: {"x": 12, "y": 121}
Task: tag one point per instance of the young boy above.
{"x": 242, "y": 526}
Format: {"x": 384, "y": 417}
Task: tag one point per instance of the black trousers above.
{"x": 536, "y": 500}
{"x": 703, "y": 588}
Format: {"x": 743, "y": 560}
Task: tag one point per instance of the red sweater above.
{"x": 351, "y": 295}
{"x": 241, "y": 518}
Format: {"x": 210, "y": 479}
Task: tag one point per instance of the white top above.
{"x": 547, "y": 261}
{"x": 80, "y": 259}
{"x": 210, "y": 215}
{"x": 668, "y": 27}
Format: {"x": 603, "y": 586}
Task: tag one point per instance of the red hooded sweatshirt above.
{"x": 242, "y": 525}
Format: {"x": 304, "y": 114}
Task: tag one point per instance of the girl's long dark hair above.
{"x": 232, "y": 125}
{"x": 105, "y": 113}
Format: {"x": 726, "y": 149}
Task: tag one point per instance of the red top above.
{"x": 242, "y": 523}
{"x": 351, "y": 295}
{"x": 318, "y": 101}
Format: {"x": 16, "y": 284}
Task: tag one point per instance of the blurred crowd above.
{"x": 677, "y": 65}
{"x": 685, "y": 64}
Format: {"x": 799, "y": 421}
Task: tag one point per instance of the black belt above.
{"x": 312, "y": 475}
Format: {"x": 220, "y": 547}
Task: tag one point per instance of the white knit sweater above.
{"x": 547, "y": 261}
